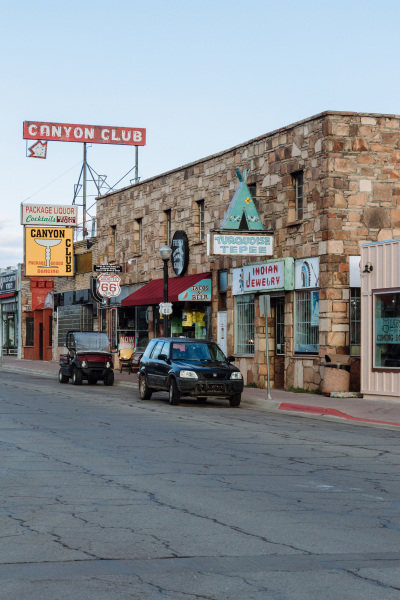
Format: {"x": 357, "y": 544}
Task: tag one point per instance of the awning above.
{"x": 153, "y": 292}
{"x": 10, "y": 295}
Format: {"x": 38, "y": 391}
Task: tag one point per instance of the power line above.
{"x": 46, "y": 186}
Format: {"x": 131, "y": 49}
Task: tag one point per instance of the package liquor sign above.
{"x": 49, "y": 251}
{"x": 94, "y": 134}
{"x": 109, "y": 285}
{"x": 49, "y": 215}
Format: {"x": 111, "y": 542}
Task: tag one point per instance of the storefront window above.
{"x": 244, "y": 324}
{"x": 306, "y": 322}
{"x": 133, "y": 323}
{"x": 387, "y": 330}
{"x": 189, "y": 320}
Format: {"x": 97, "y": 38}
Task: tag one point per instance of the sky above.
{"x": 200, "y": 77}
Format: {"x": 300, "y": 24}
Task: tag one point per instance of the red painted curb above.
{"x": 331, "y": 412}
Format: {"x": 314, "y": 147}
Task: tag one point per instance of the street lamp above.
{"x": 165, "y": 253}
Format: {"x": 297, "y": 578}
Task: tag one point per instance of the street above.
{"x": 105, "y": 496}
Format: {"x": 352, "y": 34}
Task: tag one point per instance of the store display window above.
{"x": 386, "y": 330}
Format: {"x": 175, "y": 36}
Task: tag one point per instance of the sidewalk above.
{"x": 382, "y": 412}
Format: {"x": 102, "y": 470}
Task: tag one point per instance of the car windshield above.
{"x": 196, "y": 352}
{"x": 97, "y": 342}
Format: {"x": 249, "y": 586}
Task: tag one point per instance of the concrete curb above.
{"x": 330, "y": 412}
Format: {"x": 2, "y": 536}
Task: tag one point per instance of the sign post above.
{"x": 265, "y": 309}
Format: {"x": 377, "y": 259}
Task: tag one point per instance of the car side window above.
{"x": 165, "y": 349}
{"x": 157, "y": 350}
{"x": 148, "y": 350}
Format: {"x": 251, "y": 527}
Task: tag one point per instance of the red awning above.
{"x": 10, "y": 295}
{"x": 153, "y": 292}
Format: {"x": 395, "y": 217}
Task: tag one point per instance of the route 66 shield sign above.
{"x": 109, "y": 285}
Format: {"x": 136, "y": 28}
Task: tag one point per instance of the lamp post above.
{"x": 165, "y": 253}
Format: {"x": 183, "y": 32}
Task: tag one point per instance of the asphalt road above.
{"x": 104, "y": 496}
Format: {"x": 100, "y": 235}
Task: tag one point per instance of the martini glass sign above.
{"x": 48, "y": 244}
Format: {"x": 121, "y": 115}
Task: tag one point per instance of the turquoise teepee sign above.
{"x": 242, "y": 213}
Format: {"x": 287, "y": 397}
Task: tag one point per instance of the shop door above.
{"x": 41, "y": 341}
{"x": 10, "y": 338}
{"x": 279, "y": 358}
{"x": 221, "y": 335}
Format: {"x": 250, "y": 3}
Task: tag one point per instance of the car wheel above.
{"x": 174, "y": 395}
{"x": 235, "y": 400}
{"x": 144, "y": 391}
{"x": 61, "y": 377}
{"x": 109, "y": 378}
{"x": 77, "y": 376}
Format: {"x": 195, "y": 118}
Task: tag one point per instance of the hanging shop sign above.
{"x": 180, "y": 253}
{"x": 112, "y": 268}
{"x": 263, "y": 277}
{"x": 201, "y": 291}
{"x": 49, "y": 251}
{"x": 109, "y": 286}
{"x": 240, "y": 245}
{"x": 49, "y": 215}
{"x": 307, "y": 273}
{"x": 38, "y": 150}
{"x": 94, "y": 134}
{"x": 8, "y": 282}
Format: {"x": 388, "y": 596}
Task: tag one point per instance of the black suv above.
{"x": 188, "y": 367}
{"x": 89, "y": 357}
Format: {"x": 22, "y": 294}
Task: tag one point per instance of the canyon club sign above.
{"x": 95, "y": 134}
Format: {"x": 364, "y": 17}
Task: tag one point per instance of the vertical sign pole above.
{"x": 84, "y": 190}
{"x": 136, "y": 164}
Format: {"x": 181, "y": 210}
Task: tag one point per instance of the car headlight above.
{"x": 84, "y": 364}
{"x": 236, "y": 375}
{"x": 188, "y": 375}
{"x": 108, "y": 365}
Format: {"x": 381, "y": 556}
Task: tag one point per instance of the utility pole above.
{"x": 84, "y": 190}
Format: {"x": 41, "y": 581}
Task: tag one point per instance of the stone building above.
{"x": 323, "y": 186}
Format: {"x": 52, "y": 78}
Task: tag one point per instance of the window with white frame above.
{"x": 306, "y": 329}
{"x": 355, "y": 321}
{"x": 244, "y": 324}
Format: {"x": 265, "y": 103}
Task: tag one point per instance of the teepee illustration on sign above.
{"x": 242, "y": 213}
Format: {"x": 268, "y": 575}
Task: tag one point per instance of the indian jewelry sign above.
{"x": 263, "y": 277}
{"x": 240, "y": 245}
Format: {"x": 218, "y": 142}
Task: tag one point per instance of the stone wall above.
{"x": 351, "y": 195}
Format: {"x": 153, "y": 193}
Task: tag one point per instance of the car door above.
{"x": 152, "y": 364}
{"x": 163, "y": 367}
